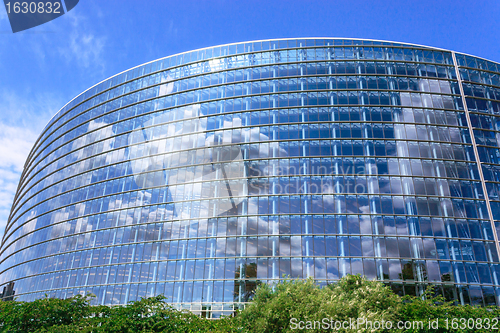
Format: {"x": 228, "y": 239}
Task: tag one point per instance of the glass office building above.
{"x": 201, "y": 175}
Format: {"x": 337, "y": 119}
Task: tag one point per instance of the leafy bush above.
{"x": 77, "y": 315}
{"x": 275, "y": 308}
{"x": 279, "y": 308}
{"x": 450, "y": 317}
{"x": 42, "y": 314}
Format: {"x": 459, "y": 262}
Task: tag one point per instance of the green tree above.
{"x": 154, "y": 315}
{"x": 278, "y": 308}
{"x": 77, "y": 315}
{"x": 450, "y": 317}
{"x": 281, "y": 307}
{"x": 42, "y": 314}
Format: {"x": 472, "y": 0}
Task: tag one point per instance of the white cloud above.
{"x": 30, "y": 110}
{"x": 172, "y": 29}
{"x": 84, "y": 46}
{"x": 15, "y": 145}
{"x": 3, "y": 14}
{"x": 21, "y": 121}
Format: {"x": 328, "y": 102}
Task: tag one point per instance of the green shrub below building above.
{"x": 354, "y": 304}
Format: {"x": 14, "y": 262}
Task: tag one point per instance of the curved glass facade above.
{"x": 201, "y": 175}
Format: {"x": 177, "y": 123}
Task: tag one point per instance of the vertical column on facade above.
{"x": 442, "y": 185}
{"x": 302, "y": 55}
{"x": 211, "y": 231}
{"x": 218, "y": 178}
{"x": 113, "y": 245}
{"x": 370, "y": 165}
{"x": 479, "y": 168}
{"x": 165, "y": 217}
{"x": 244, "y": 152}
{"x": 208, "y": 289}
{"x": 245, "y": 132}
{"x": 130, "y": 272}
{"x": 412, "y": 227}
{"x": 273, "y": 219}
{"x": 497, "y": 240}
{"x": 117, "y": 226}
{"x": 448, "y": 213}
{"x": 404, "y": 162}
{"x": 217, "y": 143}
{"x": 199, "y": 125}
{"x": 337, "y": 165}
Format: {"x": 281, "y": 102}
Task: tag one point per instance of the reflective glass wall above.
{"x": 201, "y": 175}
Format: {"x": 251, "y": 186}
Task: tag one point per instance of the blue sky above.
{"x": 43, "y": 68}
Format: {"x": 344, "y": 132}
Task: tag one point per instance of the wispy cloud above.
{"x": 8, "y": 183}
{"x": 84, "y": 46}
{"x": 3, "y": 15}
{"x": 21, "y": 121}
{"x": 172, "y": 29}
{"x": 27, "y": 109}
{"x": 15, "y": 145}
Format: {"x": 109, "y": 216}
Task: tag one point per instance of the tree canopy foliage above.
{"x": 77, "y": 315}
{"x": 284, "y": 307}
{"x": 273, "y": 310}
{"x": 448, "y": 316}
